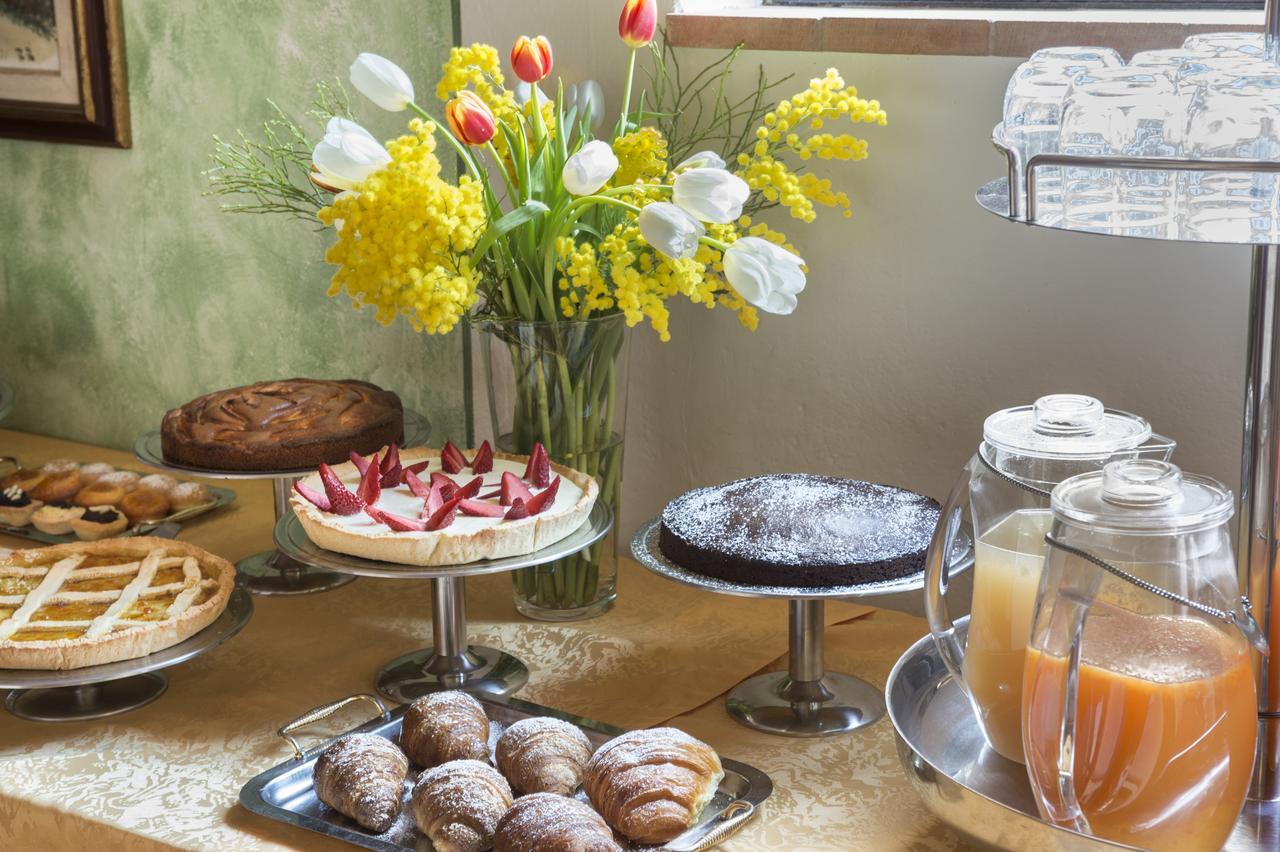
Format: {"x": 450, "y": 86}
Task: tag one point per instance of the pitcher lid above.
{"x": 1142, "y": 496}
{"x": 1067, "y": 426}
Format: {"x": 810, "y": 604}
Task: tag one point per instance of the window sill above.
{"x": 947, "y": 32}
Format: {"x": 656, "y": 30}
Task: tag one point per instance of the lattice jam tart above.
{"x": 89, "y": 603}
{"x": 434, "y": 507}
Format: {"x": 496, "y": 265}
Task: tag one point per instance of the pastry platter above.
{"x": 94, "y": 692}
{"x": 285, "y": 793}
{"x": 451, "y": 663}
{"x": 271, "y": 572}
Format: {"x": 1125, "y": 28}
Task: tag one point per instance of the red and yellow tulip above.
{"x": 531, "y": 58}
{"x": 470, "y": 118}
{"x": 638, "y": 21}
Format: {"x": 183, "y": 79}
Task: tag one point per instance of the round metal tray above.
{"x": 977, "y": 791}
{"x": 417, "y": 432}
{"x": 292, "y": 540}
{"x": 35, "y": 689}
{"x": 7, "y": 397}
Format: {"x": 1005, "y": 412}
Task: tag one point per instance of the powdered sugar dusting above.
{"x": 801, "y": 520}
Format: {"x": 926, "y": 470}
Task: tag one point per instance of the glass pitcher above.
{"x": 1025, "y": 452}
{"x": 1139, "y": 716}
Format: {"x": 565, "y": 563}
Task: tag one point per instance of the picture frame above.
{"x": 62, "y": 72}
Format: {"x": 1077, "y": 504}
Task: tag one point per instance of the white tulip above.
{"x": 523, "y": 91}
{"x": 766, "y": 275}
{"x": 587, "y": 97}
{"x": 382, "y": 81}
{"x": 701, "y": 160}
{"x": 713, "y": 195}
{"x": 346, "y": 156}
{"x": 590, "y": 168}
{"x": 670, "y": 230}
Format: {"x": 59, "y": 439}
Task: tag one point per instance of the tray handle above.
{"x": 730, "y": 822}
{"x": 324, "y": 711}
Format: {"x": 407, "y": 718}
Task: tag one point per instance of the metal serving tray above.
{"x": 284, "y": 793}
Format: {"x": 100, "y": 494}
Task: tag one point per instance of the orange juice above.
{"x": 1006, "y": 575}
{"x": 1165, "y": 729}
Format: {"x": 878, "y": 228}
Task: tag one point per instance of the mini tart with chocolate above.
{"x": 17, "y": 507}
{"x": 99, "y": 522}
{"x": 56, "y": 518}
{"x": 89, "y": 603}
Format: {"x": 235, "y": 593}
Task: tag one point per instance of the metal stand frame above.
{"x": 273, "y": 573}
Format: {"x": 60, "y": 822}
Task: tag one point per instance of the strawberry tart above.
{"x": 442, "y": 507}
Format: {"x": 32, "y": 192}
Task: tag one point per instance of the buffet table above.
{"x": 167, "y": 775}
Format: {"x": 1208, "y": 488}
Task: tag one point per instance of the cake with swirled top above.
{"x": 282, "y": 425}
{"x": 799, "y": 530}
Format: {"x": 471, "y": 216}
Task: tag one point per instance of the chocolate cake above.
{"x": 282, "y": 425}
{"x": 799, "y": 530}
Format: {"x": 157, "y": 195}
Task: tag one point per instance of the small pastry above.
{"x": 24, "y": 478}
{"x": 99, "y": 494}
{"x": 56, "y": 518}
{"x": 651, "y": 785}
{"x": 185, "y": 495}
{"x": 457, "y": 805}
{"x": 17, "y": 507}
{"x": 362, "y": 776}
{"x": 58, "y": 486}
{"x": 545, "y": 822}
{"x": 91, "y": 471}
{"x": 99, "y": 522}
{"x": 543, "y": 755}
{"x": 143, "y": 504}
{"x": 445, "y": 726}
{"x": 162, "y": 482}
{"x": 57, "y": 466}
{"x": 126, "y": 479}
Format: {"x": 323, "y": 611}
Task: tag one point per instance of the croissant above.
{"x": 458, "y": 805}
{"x": 362, "y": 776}
{"x": 545, "y": 822}
{"x": 445, "y": 726}
{"x": 543, "y": 755}
{"x": 651, "y": 785}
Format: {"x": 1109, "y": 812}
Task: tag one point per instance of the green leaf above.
{"x": 523, "y": 214}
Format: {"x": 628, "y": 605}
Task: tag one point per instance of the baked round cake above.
{"x": 799, "y": 530}
{"x": 282, "y": 425}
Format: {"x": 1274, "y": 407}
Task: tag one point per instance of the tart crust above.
{"x": 127, "y": 643}
{"x": 447, "y": 547}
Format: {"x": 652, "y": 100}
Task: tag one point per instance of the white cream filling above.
{"x": 400, "y": 500}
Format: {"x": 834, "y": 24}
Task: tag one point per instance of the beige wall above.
{"x": 923, "y": 314}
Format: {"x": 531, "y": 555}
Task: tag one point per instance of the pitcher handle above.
{"x": 937, "y": 576}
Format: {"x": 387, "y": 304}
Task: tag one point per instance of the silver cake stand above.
{"x": 94, "y": 692}
{"x": 451, "y": 663}
{"x": 272, "y": 572}
{"x": 806, "y": 700}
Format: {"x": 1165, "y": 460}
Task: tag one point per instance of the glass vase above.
{"x": 564, "y": 384}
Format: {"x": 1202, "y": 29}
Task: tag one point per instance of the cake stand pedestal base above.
{"x": 88, "y": 701}
{"x": 451, "y": 663}
{"x": 805, "y": 701}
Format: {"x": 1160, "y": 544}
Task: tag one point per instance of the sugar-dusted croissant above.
{"x": 445, "y": 726}
{"x": 543, "y": 755}
{"x": 651, "y": 785}
{"x": 362, "y": 776}
{"x": 545, "y": 822}
{"x": 458, "y": 805}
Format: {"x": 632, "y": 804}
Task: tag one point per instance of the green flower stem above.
{"x": 626, "y": 96}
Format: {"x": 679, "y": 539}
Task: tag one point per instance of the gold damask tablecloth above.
{"x": 168, "y": 775}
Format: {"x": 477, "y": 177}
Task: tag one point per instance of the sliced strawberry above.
{"x": 543, "y": 499}
{"x": 538, "y": 471}
{"x": 361, "y": 463}
{"x": 517, "y": 512}
{"x": 513, "y": 488}
{"x": 416, "y": 486}
{"x": 452, "y": 458}
{"x": 444, "y": 516}
{"x": 370, "y": 484}
{"x": 396, "y": 522}
{"x": 471, "y": 489}
{"x": 483, "y": 462}
{"x": 415, "y": 469}
{"x": 447, "y": 486}
{"x": 434, "y": 501}
{"x": 341, "y": 501}
{"x": 490, "y": 495}
{"x": 481, "y": 510}
{"x": 392, "y": 459}
{"x": 312, "y": 496}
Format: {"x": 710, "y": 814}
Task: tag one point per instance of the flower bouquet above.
{"x": 567, "y": 225}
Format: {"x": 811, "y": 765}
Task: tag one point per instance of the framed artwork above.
{"x": 62, "y": 75}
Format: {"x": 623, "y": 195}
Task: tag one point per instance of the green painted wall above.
{"x": 123, "y": 292}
